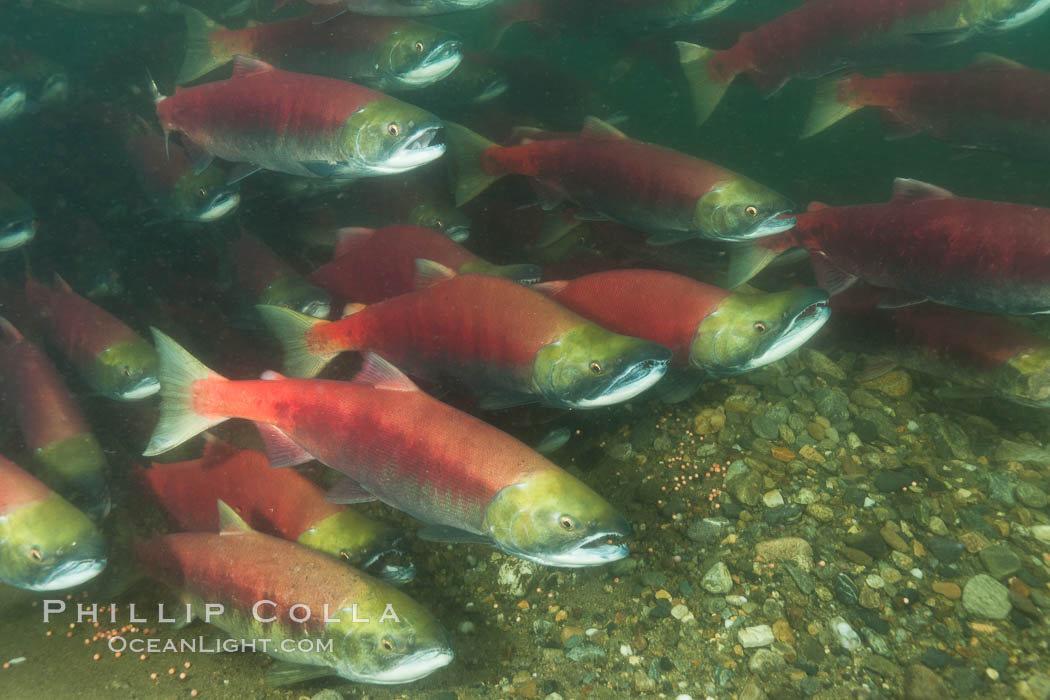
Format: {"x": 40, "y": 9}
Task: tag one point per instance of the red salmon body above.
{"x": 36, "y": 393}
{"x": 370, "y": 265}
{"x": 78, "y": 327}
{"x": 279, "y": 501}
{"x": 18, "y": 488}
{"x": 975, "y": 254}
{"x": 470, "y": 326}
{"x": 407, "y": 449}
{"x": 659, "y": 306}
{"x": 257, "y": 266}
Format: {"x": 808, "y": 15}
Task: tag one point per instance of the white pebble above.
{"x": 1041, "y": 533}
{"x": 847, "y": 636}
{"x": 626, "y": 650}
{"x": 992, "y": 673}
{"x": 875, "y": 581}
{"x": 756, "y": 636}
{"x": 773, "y": 498}
{"x": 917, "y": 572}
{"x": 466, "y": 627}
{"x": 17, "y": 660}
{"x": 684, "y": 696}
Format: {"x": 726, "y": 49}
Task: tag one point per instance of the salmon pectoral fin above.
{"x": 897, "y": 299}
{"x": 348, "y": 491}
{"x": 451, "y": 535}
{"x": 831, "y": 278}
{"x": 285, "y": 673}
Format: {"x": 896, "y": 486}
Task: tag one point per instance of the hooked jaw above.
{"x": 418, "y": 150}
{"x": 222, "y": 203}
{"x": 438, "y": 65}
{"x": 636, "y": 379}
{"x": 70, "y": 574}
{"x": 12, "y": 101}
{"x": 801, "y": 328}
{"x": 411, "y": 667}
{"x": 17, "y": 233}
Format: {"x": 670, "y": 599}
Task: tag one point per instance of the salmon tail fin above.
{"x": 202, "y": 57}
{"x": 177, "y": 370}
{"x": 292, "y": 329}
{"x": 506, "y": 15}
{"x": 829, "y": 107}
{"x": 468, "y": 150}
{"x": 746, "y": 261}
{"x": 707, "y": 92}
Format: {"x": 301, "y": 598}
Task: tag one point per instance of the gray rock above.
{"x": 746, "y": 488}
{"x": 1031, "y": 495}
{"x": 717, "y": 579}
{"x": 765, "y": 661}
{"x": 704, "y": 531}
{"x": 585, "y": 652}
{"x": 832, "y": 404}
{"x": 623, "y": 566}
{"x": 949, "y": 440}
{"x": 1000, "y": 486}
{"x": 920, "y": 683}
{"x": 820, "y": 364}
{"x": 985, "y": 597}
{"x": 1000, "y": 561}
{"x": 764, "y": 427}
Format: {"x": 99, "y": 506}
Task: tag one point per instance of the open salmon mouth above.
{"x": 17, "y": 233}
{"x": 418, "y": 149}
{"x": 438, "y": 65}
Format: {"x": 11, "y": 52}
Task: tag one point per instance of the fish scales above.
{"x": 425, "y": 458}
{"x": 505, "y": 327}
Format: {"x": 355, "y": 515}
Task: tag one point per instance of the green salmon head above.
{"x": 77, "y": 464}
{"x": 296, "y": 293}
{"x": 401, "y": 641}
{"x": 390, "y": 136}
{"x": 49, "y": 545}
{"x": 589, "y": 367}
{"x": 416, "y": 55}
{"x": 126, "y": 371}
{"x": 365, "y": 543}
{"x": 554, "y": 519}
{"x": 17, "y": 220}
{"x": 752, "y": 330}
{"x": 12, "y": 97}
{"x": 441, "y": 217}
{"x": 741, "y": 210}
{"x": 1004, "y": 15}
{"x": 204, "y": 196}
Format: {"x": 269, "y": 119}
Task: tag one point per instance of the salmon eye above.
{"x": 596, "y": 367}
{"x": 566, "y": 522}
{"x": 393, "y": 129}
{"x": 387, "y": 645}
{"x": 35, "y": 554}
{"x": 127, "y": 371}
{"x": 760, "y": 327}
{"x": 419, "y": 47}
{"x": 751, "y": 211}
{"x": 202, "y": 192}
{"x": 344, "y": 554}
{"x": 438, "y": 225}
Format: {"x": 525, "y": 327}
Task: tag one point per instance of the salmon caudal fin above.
{"x": 706, "y": 91}
{"x": 468, "y": 151}
{"x": 177, "y": 371}
{"x": 829, "y": 106}
{"x": 292, "y": 329}
{"x": 202, "y": 56}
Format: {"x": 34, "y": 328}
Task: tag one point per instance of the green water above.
{"x": 619, "y": 631}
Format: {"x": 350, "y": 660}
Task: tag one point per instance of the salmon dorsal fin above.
{"x": 8, "y": 332}
{"x": 380, "y": 374}
{"x": 243, "y": 66}
{"x": 269, "y": 375}
{"x": 429, "y": 273}
{"x": 61, "y": 285}
{"x": 908, "y": 190}
{"x": 229, "y": 522}
{"x": 597, "y": 130}
{"x": 353, "y": 307}
{"x": 348, "y": 238}
{"x": 816, "y": 206}
{"x": 987, "y": 60}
